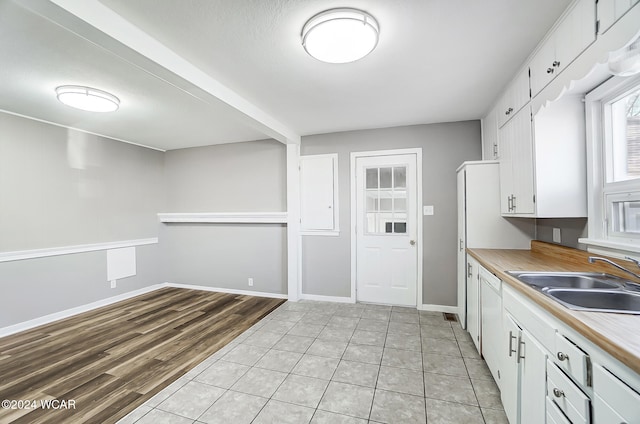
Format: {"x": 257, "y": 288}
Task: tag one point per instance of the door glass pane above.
{"x": 400, "y": 227}
{"x": 372, "y": 201}
{"x": 386, "y": 204}
{"x": 372, "y": 177}
{"x": 385, "y": 177}
{"x": 400, "y": 177}
{"x": 400, "y": 201}
{"x": 372, "y": 223}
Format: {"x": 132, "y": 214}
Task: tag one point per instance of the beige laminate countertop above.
{"x": 616, "y": 334}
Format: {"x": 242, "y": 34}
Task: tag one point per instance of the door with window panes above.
{"x": 386, "y": 262}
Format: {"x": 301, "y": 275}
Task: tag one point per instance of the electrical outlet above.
{"x": 556, "y": 235}
{"x": 113, "y": 284}
{"x": 250, "y": 282}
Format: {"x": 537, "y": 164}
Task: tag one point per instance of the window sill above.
{"x": 612, "y": 248}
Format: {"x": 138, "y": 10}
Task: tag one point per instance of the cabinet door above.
{"x": 473, "y": 301}
{"x": 506, "y": 140}
{"x": 490, "y": 136}
{"x": 541, "y": 66}
{"x": 609, "y": 11}
{"x": 576, "y": 32}
{"x": 522, "y": 163}
{"x": 532, "y": 380}
{"x": 461, "y": 243}
{"x": 509, "y": 390}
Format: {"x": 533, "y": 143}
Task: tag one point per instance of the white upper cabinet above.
{"x": 318, "y": 194}
{"x": 543, "y": 163}
{"x": 573, "y": 34}
{"x": 609, "y": 11}
{"x": 514, "y": 99}
{"x": 516, "y": 165}
{"x": 490, "y": 149}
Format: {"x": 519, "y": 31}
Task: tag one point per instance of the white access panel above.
{"x": 121, "y": 263}
{"x": 318, "y": 193}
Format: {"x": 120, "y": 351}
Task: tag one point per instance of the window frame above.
{"x": 601, "y": 193}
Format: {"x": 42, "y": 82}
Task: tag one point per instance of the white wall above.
{"x": 326, "y": 268}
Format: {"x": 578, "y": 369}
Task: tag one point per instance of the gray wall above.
{"x": 37, "y": 287}
{"x": 571, "y": 229}
{"x": 239, "y": 177}
{"x": 61, "y": 187}
{"x": 326, "y": 260}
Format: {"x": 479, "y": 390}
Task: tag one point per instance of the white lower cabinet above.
{"x": 614, "y": 401}
{"x": 523, "y": 388}
{"x": 491, "y": 320}
{"x": 473, "y": 301}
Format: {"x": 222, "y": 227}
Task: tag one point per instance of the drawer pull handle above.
{"x": 511, "y": 349}
{"x": 558, "y": 393}
{"x": 562, "y": 356}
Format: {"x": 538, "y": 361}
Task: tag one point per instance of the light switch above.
{"x": 427, "y": 210}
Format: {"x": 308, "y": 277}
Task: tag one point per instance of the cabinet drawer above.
{"x": 613, "y": 396}
{"x": 490, "y": 279}
{"x": 573, "y": 360}
{"x": 567, "y": 396}
{"x": 554, "y": 416}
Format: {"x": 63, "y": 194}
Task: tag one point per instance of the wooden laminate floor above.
{"x": 113, "y": 359}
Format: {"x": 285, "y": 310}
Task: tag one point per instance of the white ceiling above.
{"x": 437, "y": 61}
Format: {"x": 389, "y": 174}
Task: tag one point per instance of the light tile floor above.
{"x": 317, "y": 362}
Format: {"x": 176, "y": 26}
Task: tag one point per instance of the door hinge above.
{"x": 597, "y": 25}
{"x": 534, "y": 198}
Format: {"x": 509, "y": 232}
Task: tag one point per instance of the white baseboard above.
{"x": 225, "y": 290}
{"x": 321, "y": 298}
{"x": 438, "y": 308}
{"x": 27, "y": 325}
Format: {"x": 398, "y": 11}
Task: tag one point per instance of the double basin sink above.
{"x": 585, "y": 291}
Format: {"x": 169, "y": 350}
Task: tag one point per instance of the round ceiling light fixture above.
{"x": 87, "y": 98}
{"x": 340, "y": 35}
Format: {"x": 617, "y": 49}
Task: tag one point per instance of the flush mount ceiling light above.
{"x": 340, "y": 35}
{"x": 86, "y": 98}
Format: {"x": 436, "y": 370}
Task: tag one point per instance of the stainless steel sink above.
{"x": 573, "y": 280}
{"x": 585, "y": 291}
{"x": 597, "y": 300}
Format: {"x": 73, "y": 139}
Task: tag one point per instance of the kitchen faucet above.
{"x": 593, "y": 259}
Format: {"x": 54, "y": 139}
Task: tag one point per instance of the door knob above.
{"x": 412, "y": 242}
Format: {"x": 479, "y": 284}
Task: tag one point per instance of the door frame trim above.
{"x": 352, "y": 230}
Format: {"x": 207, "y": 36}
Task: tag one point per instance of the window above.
{"x": 613, "y": 116}
{"x": 386, "y": 200}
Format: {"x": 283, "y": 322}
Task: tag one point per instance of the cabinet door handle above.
{"x": 495, "y": 150}
{"x": 521, "y": 346}
{"x": 556, "y": 64}
{"x": 550, "y": 70}
{"x": 509, "y": 204}
{"x": 469, "y": 270}
{"x": 513, "y": 202}
{"x": 461, "y": 247}
{"x": 558, "y": 393}
{"x": 562, "y": 356}
{"x": 508, "y": 111}
{"x": 511, "y": 349}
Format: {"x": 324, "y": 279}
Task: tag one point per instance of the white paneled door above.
{"x": 386, "y": 229}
